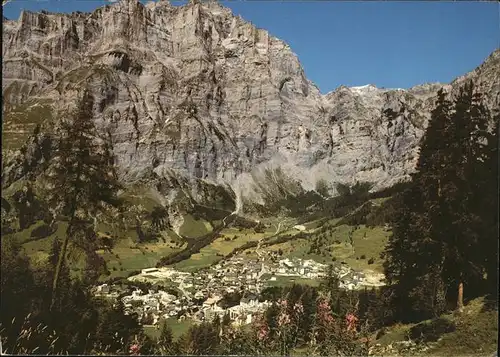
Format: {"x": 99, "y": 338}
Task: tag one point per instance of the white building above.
{"x": 213, "y": 311}
{"x": 103, "y": 289}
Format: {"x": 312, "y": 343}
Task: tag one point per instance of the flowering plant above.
{"x": 351, "y": 321}
{"x": 135, "y": 347}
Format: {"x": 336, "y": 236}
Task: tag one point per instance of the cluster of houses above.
{"x": 153, "y": 305}
{"x": 199, "y": 296}
{"x": 350, "y": 279}
{"x": 297, "y": 267}
{"x": 240, "y": 314}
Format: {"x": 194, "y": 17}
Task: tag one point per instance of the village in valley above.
{"x": 229, "y": 289}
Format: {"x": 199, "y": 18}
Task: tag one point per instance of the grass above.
{"x": 24, "y": 236}
{"x": 178, "y": 328}
{"x": 314, "y": 224}
{"x": 205, "y": 258}
{"x": 282, "y": 281}
{"x": 221, "y": 247}
{"x": 127, "y": 256}
{"x": 38, "y": 246}
{"x": 397, "y": 332}
{"x": 476, "y": 332}
{"x": 367, "y": 241}
{"x": 236, "y": 239}
{"x": 7, "y": 192}
{"x": 194, "y": 228}
{"x": 33, "y": 247}
{"x": 133, "y": 256}
{"x": 38, "y": 250}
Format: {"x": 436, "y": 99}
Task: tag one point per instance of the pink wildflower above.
{"x": 283, "y": 319}
{"x": 263, "y": 332}
{"x": 325, "y": 312}
{"x": 262, "y": 328}
{"x": 351, "y": 321}
{"x": 134, "y": 349}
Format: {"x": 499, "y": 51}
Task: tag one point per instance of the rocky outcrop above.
{"x": 197, "y": 92}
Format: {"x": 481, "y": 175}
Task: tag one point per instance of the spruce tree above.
{"x": 487, "y": 177}
{"x": 476, "y": 198}
{"x": 436, "y": 248}
{"x": 414, "y": 252}
{"x": 166, "y": 340}
{"x": 81, "y": 179}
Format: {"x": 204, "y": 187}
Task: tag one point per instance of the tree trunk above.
{"x": 60, "y": 260}
{"x": 460, "y": 301}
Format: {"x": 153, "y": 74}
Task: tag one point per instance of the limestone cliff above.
{"x": 195, "y": 92}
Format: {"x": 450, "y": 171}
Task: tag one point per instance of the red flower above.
{"x": 324, "y": 312}
{"x": 263, "y": 332}
{"x": 134, "y": 349}
{"x": 351, "y": 321}
{"x": 262, "y": 328}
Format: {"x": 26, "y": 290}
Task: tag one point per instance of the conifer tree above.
{"x": 82, "y": 180}
{"x": 474, "y": 186}
{"x": 487, "y": 177}
{"x": 414, "y": 252}
{"x": 436, "y": 246}
{"x": 166, "y": 340}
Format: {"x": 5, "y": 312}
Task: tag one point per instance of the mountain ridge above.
{"x": 195, "y": 92}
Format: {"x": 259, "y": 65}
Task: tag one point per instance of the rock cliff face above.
{"x": 196, "y": 92}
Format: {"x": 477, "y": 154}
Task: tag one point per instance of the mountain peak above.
{"x": 196, "y": 92}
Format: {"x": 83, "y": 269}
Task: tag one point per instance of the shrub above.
{"x": 371, "y": 261}
{"x": 7, "y": 230}
{"x": 259, "y": 228}
{"x": 362, "y": 256}
{"x": 134, "y": 272}
{"x": 431, "y": 331}
{"x": 381, "y": 333}
{"x": 42, "y": 231}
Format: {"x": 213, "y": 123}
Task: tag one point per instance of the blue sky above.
{"x": 389, "y": 44}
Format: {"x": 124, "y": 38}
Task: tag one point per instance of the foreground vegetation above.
{"x": 63, "y": 236}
